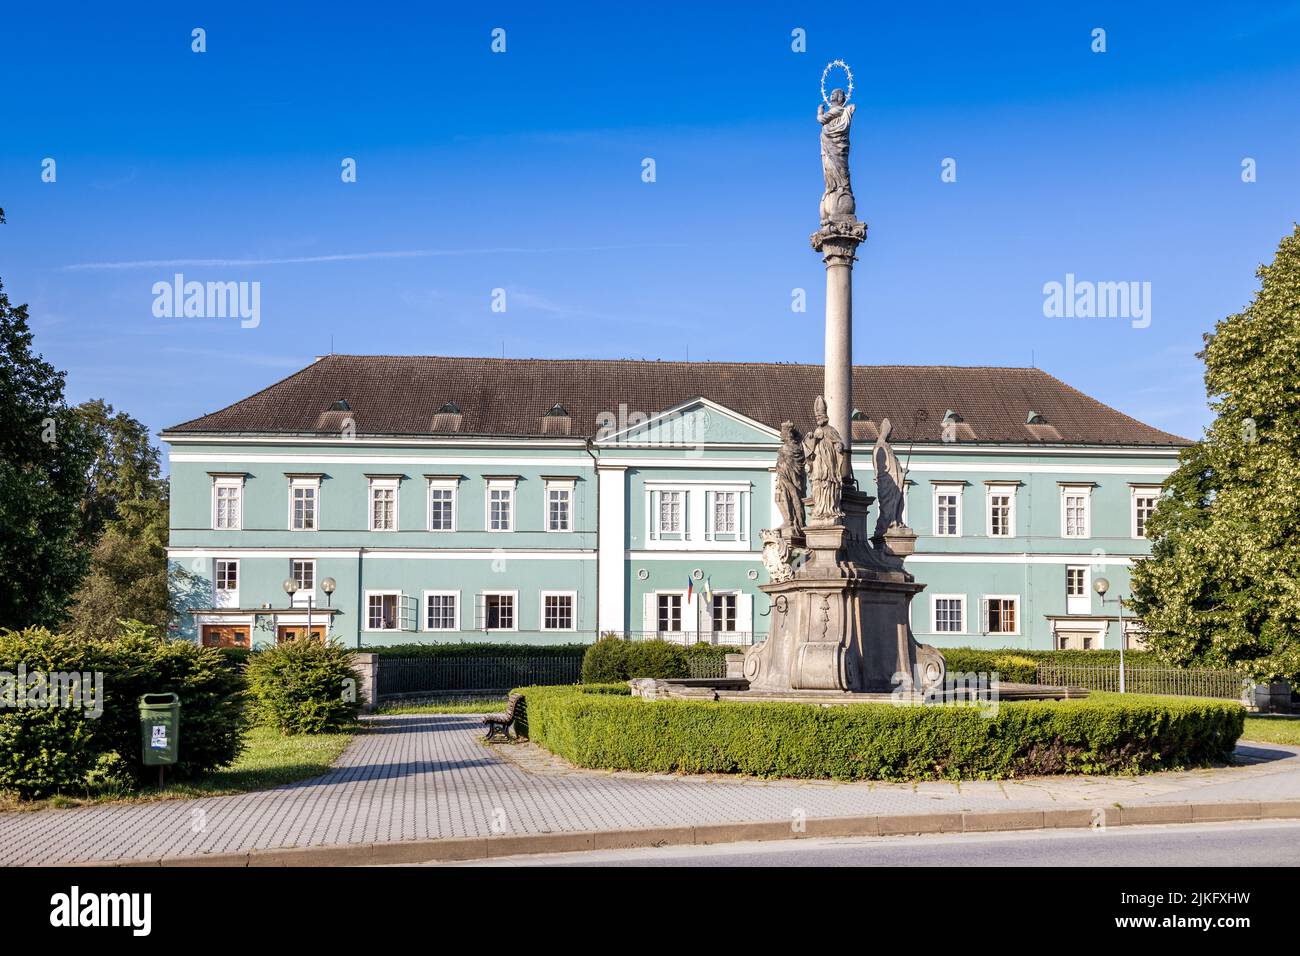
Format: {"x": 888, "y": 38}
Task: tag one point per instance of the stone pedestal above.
{"x": 840, "y": 620}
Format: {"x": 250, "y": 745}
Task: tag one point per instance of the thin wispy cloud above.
{"x": 356, "y": 257}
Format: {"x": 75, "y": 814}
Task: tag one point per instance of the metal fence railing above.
{"x": 1142, "y": 679}
{"x": 398, "y": 676}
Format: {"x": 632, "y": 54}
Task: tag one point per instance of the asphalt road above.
{"x": 1210, "y": 844}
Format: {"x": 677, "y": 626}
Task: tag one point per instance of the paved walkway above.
{"x": 425, "y": 777}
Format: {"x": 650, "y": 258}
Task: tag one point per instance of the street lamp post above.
{"x": 291, "y": 588}
{"x": 1101, "y": 586}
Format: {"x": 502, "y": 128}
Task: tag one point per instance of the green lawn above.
{"x": 268, "y": 760}
{"x": 1273, "y": 729}
{"x": 454, "y": 705}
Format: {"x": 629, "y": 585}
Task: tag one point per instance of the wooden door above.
{"x": 291, "y": 632}
{"x": 226, "y": 635}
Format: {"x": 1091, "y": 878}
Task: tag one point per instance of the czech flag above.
{"x": 690, "y": 588}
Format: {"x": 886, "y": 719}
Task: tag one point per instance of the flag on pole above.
{"x": 708, "y": 590}
{"x": 690, "y": 588}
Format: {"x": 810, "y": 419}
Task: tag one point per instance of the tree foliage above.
{"x": 1222, "y": 586}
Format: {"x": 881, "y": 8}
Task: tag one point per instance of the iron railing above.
{"x": 400, "y": 676}
{"x": 687, "y": 638}
{"x": 1142, "y": 679}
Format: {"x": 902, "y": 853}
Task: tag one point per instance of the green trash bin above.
{"x": 160, "y": 726}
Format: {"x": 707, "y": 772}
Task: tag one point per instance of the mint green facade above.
{"x": 674, "y": 502}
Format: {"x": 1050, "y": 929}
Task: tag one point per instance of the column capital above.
{"x": 838, "y": 240}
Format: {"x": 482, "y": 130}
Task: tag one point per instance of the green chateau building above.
{"x": 423, "y": 498}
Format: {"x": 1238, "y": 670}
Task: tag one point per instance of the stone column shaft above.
{"x": 838, "y": 387}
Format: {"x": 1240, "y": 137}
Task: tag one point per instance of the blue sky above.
{"x": 522, "y": 171}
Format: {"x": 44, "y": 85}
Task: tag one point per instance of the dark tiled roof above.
{"x": 402, "y": 394}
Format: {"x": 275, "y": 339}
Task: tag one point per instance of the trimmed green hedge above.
{"x": 600, "y": 727}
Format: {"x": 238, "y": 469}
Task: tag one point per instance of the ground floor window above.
{"x": 440, "y": 612}
{"x": 557, "y": 612}
{"x": 949, "y": 614}
{"x": 724, "y": 612}
{"x": 499, "y": 612}
{"x": 670, "y": 613}
{"x": 382, "y": 612}
{"x": 1000, "y": 615}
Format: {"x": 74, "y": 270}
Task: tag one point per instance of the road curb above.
{"x": 484, "y": 848}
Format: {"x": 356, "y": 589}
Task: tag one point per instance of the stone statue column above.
{"x": 837, "y": 241}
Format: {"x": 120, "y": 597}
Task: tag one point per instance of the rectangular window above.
{"x": 227, "y": 504}
{"x": 383, "y": 505}
{"x": 1143, "y": 505}
{"x": 303, "y": 496}
{"x": 726, "y": 508}
{"x": 499, "y": 612}
{"x": 557, "y": 612}
{"x": 227, "y": 575}
{"x": 947, "y": 510}
{"x": 1074, "y": 582}
{"x": 304, "y": 575}
{"x": 559, "y": 505}
{"x": 671, "y": 506}
{"x": 724, "y": 612}
{"x": 949, "y": 614}
{"x": 442, "y": 507}
{"x": 1000, "y": 514}
{"x": 440, "y": 611}
{"x": 1000, "y": 615}
{"x": 1074, "y": 512}
{"x": 383, "y": 612}
{"x": 501, "y": 507}
{"x": 670, "y": 613}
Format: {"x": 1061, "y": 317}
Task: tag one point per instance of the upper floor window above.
{"x": 698, "y": 515}
{"x": 1002, "y": 511}
{"x": 672, "y": 513}
{"x": 500, "y": 505}
{"x": 304, "y": 497}
{"x": 383, "y": 504}
{"x": 726, "y": 514}
{"x": 304, "y": 575}
{"x": 947, "y": 510}
{"x": 1144, "y": 504}
{"x": 227, "y": 575}
{"x": 1076, "y": 520}
{"x": 442, "y": 505}
{"x": 559, "y": 505}
{"x": 227, "y": 503}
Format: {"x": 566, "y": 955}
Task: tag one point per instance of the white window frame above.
{"x": 387, "y": 484}
{"x": 1141, "y": 491}
{"x": 984, "y": 614}
{"x": 424, "y": 611}
{"x": 383, "y": 594}
{"x": 229, "y": 596}
{"x": 697, "y": 532}
{"x": 567, "y": 486}
{"x": 707, "y": 613}
{"x": 573, "y": 609}
{"x": 683, "y": 611}
{"x": 300, "y": 596}
{"x": 514, "y": 616}
{"x": 956, "y": 489}
{"x": 997, "y": 490}
{"x": 308, "y": 483}
{"x": 442, "y": 484}
{"x": 1077, "y": 491}
{"x": 934, "y": 613}
{"x": 499, "y": 484}
{"x": 228, "y": 481}
{"x": 1084, "y": 598}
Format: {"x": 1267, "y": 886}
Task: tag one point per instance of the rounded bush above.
{"x": 304, "y": 686}
{"x": 605, "y": 661}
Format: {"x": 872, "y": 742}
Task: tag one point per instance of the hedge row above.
{"x": 70, "y": 749}
{"x": 599, "y": 727}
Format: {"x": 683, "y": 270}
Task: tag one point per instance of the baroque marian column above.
{"x": 837, "y": 241}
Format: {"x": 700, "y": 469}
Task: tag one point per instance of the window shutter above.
{"x": 653, "y": 499}
{"x": 710, "y": 502}
{"x": 686, "y": 515}
{"x": 745, "y": 614}
{"x": 984, "y": 612}
{"x": 742, "y": 516}
{"x": 409, "y": 612}
{"x": 650, "y": 612}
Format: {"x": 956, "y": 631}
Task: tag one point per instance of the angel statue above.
{"x": 890, "y": 479}
{"x": 790, "y": 481}
{"x": 828, "y": 464}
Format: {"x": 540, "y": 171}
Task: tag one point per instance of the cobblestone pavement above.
{"x": 425, "y": 776}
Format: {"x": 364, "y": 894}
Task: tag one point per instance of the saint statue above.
{"x": 790, "y": 482}
{"x": 828, "y": 464}
{"x": 890, "y": 482}
{"x": 835, "y": 123}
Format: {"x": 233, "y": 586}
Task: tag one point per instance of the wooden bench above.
{"x": 499, "y": 723}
